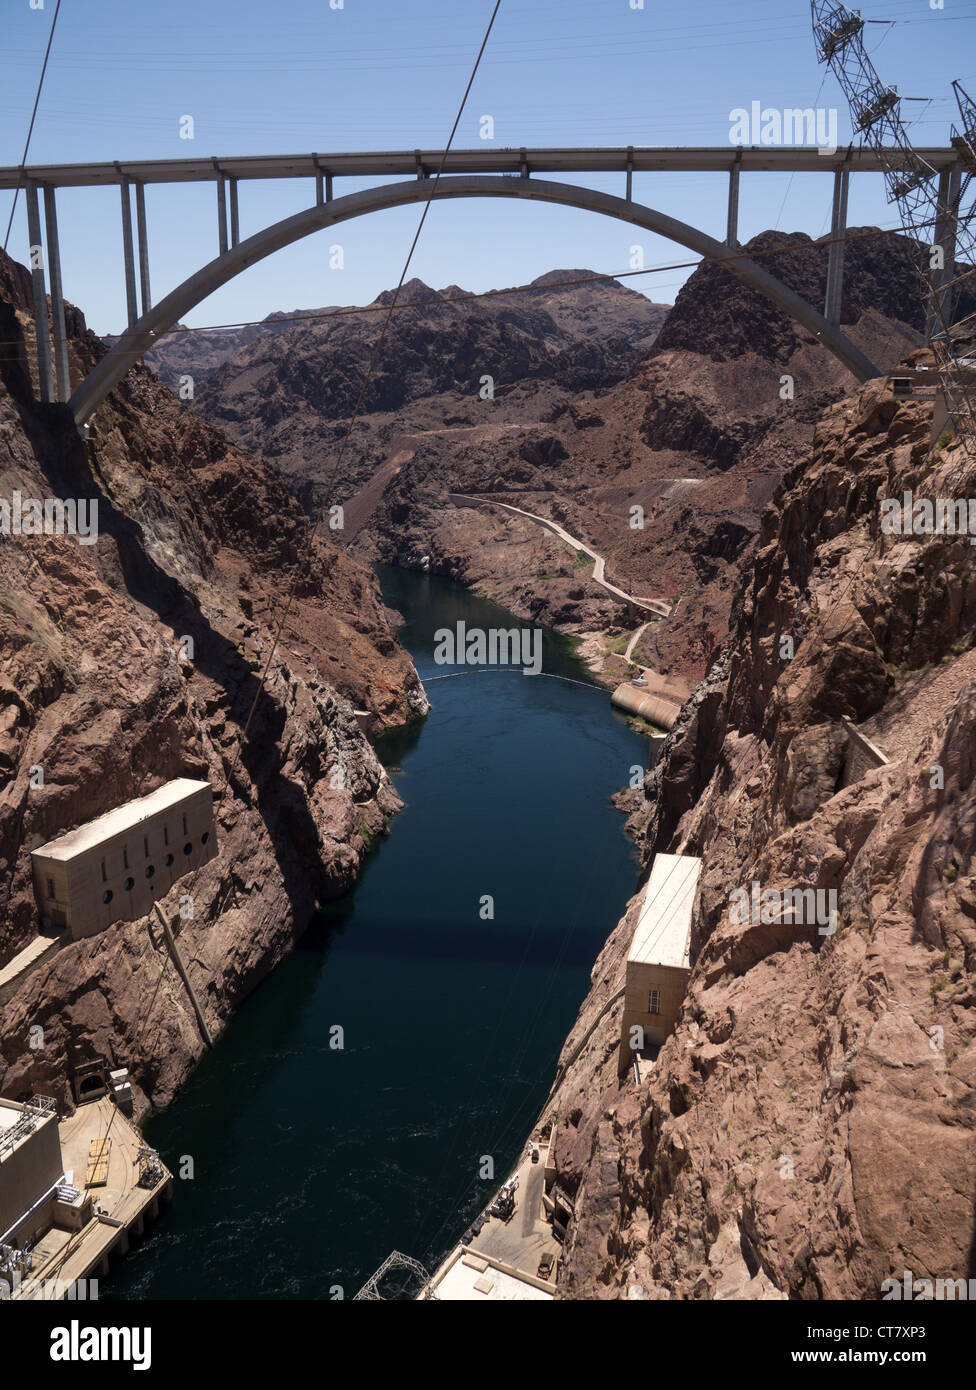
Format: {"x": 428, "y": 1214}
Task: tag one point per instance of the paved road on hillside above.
{"x": 650, "y": 605}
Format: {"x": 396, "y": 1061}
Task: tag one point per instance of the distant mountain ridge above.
{"x": 554, "y": 313}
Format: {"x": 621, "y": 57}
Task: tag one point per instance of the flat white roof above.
{"x": 123, "y": 818}
{"x": 661, "y": 936}
{"x": 9, "y": 1114}
{"x": 462, "y": 1284}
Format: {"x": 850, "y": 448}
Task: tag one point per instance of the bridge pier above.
{"x": 141, "y": 232}
{"x": 222, "y": 213}
{"x": 732, "y": 226}
{"x": 39, "y": 292}
{"x": 323, "y": 188}
{"x": 127, "y": 254}
{"x": 235, "y": 222}
{"x": 940, "y": 308}
{"x": 57, "y": 297}
{"x": 835, "y": 252}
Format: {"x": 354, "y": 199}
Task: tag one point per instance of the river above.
{"x": 310, "y": 1162}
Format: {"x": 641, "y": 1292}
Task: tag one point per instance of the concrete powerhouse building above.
{"x": 30, "y": 1168}
{"x": 114, "y": 868}
{"x": 659, "y": 963}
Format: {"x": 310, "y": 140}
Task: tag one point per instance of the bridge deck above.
{"x": 609, "y": 159}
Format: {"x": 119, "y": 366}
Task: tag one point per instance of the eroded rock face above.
{"x": 807, "y": 1131}
{"x": 137, "y": 659}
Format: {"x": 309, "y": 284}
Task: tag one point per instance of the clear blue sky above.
{"x": 297, "y": 76}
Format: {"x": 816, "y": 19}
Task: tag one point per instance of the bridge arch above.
{"x": 164, "y": 315}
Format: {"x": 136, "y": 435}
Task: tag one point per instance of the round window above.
{"x": 150, "y": 870}
{"x": 107, "y": 896}
{"x": 205, "y": 837}
{"x": 188, "y": 848}
{"x": 169, "y": 861}
{"x": 130, "y": 883}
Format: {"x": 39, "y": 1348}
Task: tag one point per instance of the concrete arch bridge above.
{"x": 481, "y": 173}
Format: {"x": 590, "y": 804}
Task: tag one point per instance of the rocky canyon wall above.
{"x": 808, "y": 1129}
{"x": 138, "y": 659}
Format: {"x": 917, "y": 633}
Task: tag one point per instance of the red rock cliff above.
{"x": 807, "y": 1131}
{"x": 198, "y": 539}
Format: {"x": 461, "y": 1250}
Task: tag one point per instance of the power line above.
{"x": 30, "y": 128}
{"x": 362, "y": 394}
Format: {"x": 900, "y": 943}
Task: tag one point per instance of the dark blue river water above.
{"x": 311, "y": 1164}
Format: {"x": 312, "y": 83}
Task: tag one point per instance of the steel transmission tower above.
{"x": 936, "y": 206}
{"x": 395, "y": 1260}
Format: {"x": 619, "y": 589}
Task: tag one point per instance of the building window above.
{"x": 654, "y": 1001}
{"x": 169, "y": 861}
{"x": 145, "y": 844}
{"x": 50, "y": 887}
{"x": 205, "y": 837}
{"x": 104, "y": 874}
{"x": 150, "y": 870}
{"x": 165, "y": 834}
{"x": 188, "y": 847}
{"x": 130, "y": 883}
{"x": 107, "y": 896}
{"x": 125, "y": 856}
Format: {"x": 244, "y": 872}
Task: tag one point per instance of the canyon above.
{"x": 598, "y": 408}
{"x": 775, "y": 1148}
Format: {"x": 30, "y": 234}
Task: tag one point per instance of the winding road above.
{"x": 650, "y": 605}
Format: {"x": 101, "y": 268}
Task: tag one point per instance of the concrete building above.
{"x": 72, "y": 1194}
{"x": 658, "y": 964}
{"x": 114, "y": 868}
{"x": 30, "y": 1168}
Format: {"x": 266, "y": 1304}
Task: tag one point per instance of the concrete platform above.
{"x": 512, "y": 1250}
{"x": 62, "y": 1256}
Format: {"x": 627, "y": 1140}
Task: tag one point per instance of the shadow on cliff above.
{"x": 282, "y": 804}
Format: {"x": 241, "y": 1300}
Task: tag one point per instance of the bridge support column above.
{"x": 835, "y": 253}
{"x": 222, "y": 212}
{"x": 732, "y": 227}
{"x": 235, "y": 222}
{"x": 57, "y": 297}
{"x": 939, "y": 314}
{"x": 39, "y": 293}
{"x": 323, "y": 184}
{"x": 130, "y": 269}
{"x": 141, "y": 232}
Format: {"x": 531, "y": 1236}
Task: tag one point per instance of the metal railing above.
{"x": 35, "y": 1112}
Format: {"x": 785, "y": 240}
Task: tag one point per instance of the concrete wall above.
{"x": 27, "y": 1171}
{"x": 641, "y": 979}
{"x": 861, "y": 756}
{"x": 81, "y": 889}
{"x": 34, "y": 954}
